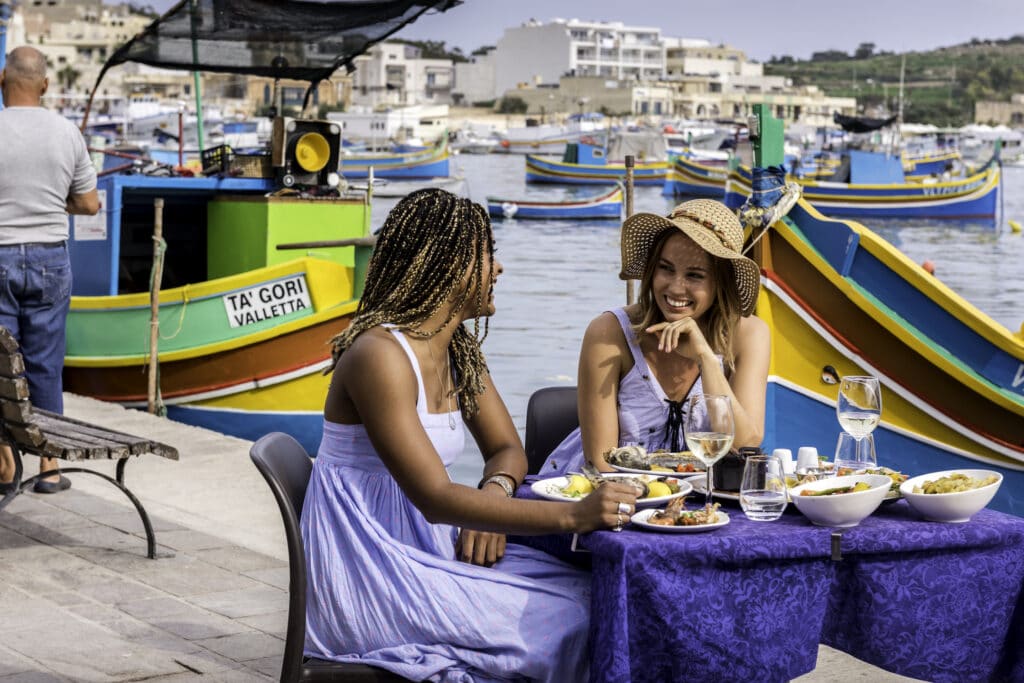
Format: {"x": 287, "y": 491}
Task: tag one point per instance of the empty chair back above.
{"x": 551, "y": 415}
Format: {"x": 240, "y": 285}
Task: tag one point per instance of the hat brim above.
{"x": 641, "y": 231}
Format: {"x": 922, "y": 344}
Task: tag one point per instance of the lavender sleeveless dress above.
{"x": 385, "y": 588}
{"x": 643, "y": 409}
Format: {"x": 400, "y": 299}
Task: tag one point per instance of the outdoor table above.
{"x": 752, "y": 600}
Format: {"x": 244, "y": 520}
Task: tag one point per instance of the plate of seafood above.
{"x": 676, "y": 519}
{"x": 652, "y": 490}
{"x": 636, "y": 460}
{"x": 897, "y": 479}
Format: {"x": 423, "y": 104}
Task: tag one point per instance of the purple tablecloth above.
{"x": 751, "y": 601}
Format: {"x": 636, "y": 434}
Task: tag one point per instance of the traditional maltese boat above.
{"x": 840, "y": 300}
{"x": 691, "y": 178}
{"x": 417, "y": 164}
{"x": 605, "y": 205}
{"x": 264, "y": 261}
{"x": 586, "y": 163}
{"x": 973, "y": 197}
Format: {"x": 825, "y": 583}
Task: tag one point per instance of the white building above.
{"x": 394, "y": 74}
{"x": 474, "y": 80}
{"x": 378, "y": 129}
{"x": 538, "y": 54}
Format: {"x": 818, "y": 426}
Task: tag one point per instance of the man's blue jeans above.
{"x": 35, "y": 295}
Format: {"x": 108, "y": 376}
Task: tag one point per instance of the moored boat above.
{"x": 419, "y": 164}
{"x": 688, "y": 177}
{"x": 604, "y": 205}
{"x": 891, "y": 196}
{"x": 586, "y": 163}
{"x": 840, "y": 300}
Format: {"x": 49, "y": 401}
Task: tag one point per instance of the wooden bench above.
{"x": 27, "y": 429}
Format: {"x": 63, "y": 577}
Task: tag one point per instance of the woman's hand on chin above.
{"x": 681, "y": 336}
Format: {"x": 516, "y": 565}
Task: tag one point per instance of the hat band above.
{"x": 719, "y": 233}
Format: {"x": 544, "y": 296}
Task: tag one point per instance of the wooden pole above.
{"x": 154, "y": 302}
{"x": 630, "y": 284}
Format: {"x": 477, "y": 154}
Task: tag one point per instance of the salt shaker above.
{"x": 807, "y": 458}
{"x": 786, "y": 457}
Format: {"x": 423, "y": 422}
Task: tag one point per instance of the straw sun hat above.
{"x": 711, "y": 225}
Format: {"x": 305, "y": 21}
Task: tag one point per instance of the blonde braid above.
{"x": 423, "y": 250}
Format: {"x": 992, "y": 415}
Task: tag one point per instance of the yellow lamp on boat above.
{"x": 306, "y": 152}
{"x": 1014, "y": 226}
{"x": 312, "y": 152}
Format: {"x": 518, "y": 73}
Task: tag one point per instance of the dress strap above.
{"x": 421, "y": 395}
{"x": 639, "y": 362}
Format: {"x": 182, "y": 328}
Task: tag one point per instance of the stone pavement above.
{"x": 80, "y": 600}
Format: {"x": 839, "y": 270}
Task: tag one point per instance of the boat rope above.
{"x": 771, "y": 198}
{"x": 181, "y": 316}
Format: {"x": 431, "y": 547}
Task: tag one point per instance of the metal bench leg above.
{"x": 150, "y": 536}
{"x": 13, "y": 487}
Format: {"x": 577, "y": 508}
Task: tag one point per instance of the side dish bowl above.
{"x": 843, "y": 509}
{"x": 959, "y": 506}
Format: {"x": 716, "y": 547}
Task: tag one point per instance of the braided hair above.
{"x": 426, "y": 246}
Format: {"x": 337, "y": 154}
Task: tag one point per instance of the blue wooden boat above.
{"x": 607, "y": 205}
{"x": 691, "y": 178}
{"x": 428, "y": 163}
{"x": 586, "y": 164}
{"x": 840, "y": 300}
{"x": 878, "y": 189}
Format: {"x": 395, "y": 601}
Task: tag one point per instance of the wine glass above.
{"x": 710, "y": 429}
{"x": 859, "y": 406}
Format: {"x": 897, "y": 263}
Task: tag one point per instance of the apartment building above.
{"x": 77, "y": 36}
{"x": 537, "y": 54}
{"x": 474, "y": 80}
{"x": 395, "y": 74}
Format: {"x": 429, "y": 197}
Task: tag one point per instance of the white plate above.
{"x": 640, "y": 519}
{"x": 697, "y": 481}
{"x": 552, "y": 490}
{"x": 632, "y": 470}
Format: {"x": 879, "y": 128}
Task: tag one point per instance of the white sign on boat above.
{"x": 267, "y": 301}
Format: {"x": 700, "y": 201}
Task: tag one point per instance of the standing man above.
{"x": 45, "y": 174}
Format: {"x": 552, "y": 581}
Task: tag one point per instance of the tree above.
{"x": 864, "y": 51}
{"x": 829, "y": 56}
{"x": 512, "y": 105}
{"x": 67, "y": 77}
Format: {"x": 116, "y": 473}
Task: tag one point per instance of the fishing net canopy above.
{"x": 287, "y": 39}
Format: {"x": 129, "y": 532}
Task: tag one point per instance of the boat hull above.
{"x": 605, "y": 206}
{"x": 429, "y": 163}
{"x": 542, "y": 170}
{"x": 243, "y": 377}
{"x": 973, "y": 198}
{"x": 839, "y": 301}
{"x": 693, "y": 179}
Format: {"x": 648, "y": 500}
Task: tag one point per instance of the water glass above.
{"x": 855, "y": 454}
{"x": 763, "y": 494}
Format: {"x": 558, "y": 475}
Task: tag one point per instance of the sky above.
{"x": 761, "y": 29}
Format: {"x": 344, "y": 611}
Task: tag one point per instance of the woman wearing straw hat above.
{"x": 690, "y": 332}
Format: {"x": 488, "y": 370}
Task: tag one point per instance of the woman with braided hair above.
{"x": 691, "y": 331}
{"x": 393, "y": 582}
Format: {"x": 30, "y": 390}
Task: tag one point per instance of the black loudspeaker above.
{"x": 307, "y": 153}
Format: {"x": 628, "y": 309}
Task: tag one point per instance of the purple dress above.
{"x": 385, "y": 588}
{"x": 643, "y": 409}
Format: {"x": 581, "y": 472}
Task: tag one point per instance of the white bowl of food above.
{"x": 951, "y": 495}
{"x": 840, "y": 501}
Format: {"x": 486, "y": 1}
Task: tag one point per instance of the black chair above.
{"x": 551, "y": 416}
{"x": 286, "y": 466}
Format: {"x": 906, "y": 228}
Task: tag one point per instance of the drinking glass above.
{"x": 710, "y": 429}
{"x": 855, "y": 454}
{"x": 859, "y": 406}
{"x": 763, "y": 488}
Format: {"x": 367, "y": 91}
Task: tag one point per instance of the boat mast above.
{"x": 195, "y": 76}
{"x": 899, "y": 112}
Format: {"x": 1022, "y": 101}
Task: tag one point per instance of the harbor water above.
{"x": 560, "y": 274}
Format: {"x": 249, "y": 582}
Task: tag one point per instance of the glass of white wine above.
{"x": 859, "y": 405}
{"x": 710, "y": 429}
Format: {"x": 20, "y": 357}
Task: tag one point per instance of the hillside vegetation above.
{"x": 940, "y": 86}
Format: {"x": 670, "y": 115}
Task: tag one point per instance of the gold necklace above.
{"x": 447, "y": 389}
